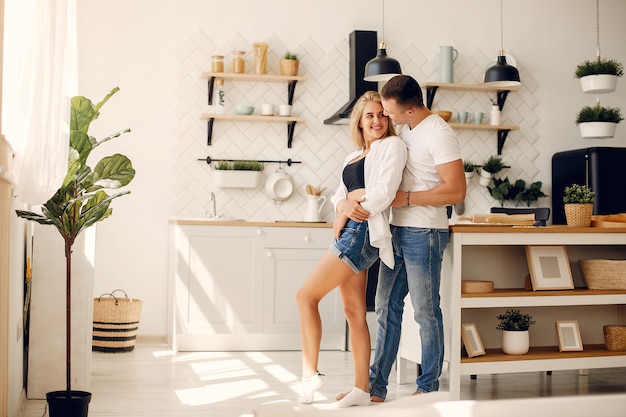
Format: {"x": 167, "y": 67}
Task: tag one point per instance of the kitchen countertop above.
{"x": 239, "y": 223}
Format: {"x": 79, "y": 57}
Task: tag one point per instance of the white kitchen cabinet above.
{"x": 233, "y": 285}
{"x": 498, "y": 254}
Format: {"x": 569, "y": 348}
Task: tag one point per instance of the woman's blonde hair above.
{"x": 355, "y": 118}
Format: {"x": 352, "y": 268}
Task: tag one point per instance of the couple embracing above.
{"x": 390, "y": 204}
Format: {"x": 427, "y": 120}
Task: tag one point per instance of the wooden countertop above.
{"x": 241, "y": 223}
{"x": 489, "y": 228}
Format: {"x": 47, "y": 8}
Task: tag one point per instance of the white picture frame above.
{"x": 569, "y": 336}
{"x": 549, "y": 268}
{"x": 471, "y": 340}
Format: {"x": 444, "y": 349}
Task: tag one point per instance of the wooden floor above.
{"x": 153, "y": 381}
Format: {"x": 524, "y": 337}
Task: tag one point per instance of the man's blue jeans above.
{"x": 418, "y": 256}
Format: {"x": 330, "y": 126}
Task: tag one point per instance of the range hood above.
{"x": 362, "y": 49}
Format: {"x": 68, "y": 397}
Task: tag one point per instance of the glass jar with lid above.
{"x": 217, "y": 63}
{"x": 239, "y": 63}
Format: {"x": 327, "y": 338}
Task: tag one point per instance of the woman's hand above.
{"x": 353, "y": 210}
{"x": 338, "y": 225}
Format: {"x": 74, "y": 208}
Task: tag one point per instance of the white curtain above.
{"x": 40, "y": 77}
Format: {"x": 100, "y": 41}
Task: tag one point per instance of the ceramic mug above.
{"x": 478, "y": 117}
{"x": 463, "y": 115}
{"x": 284, "y": 110}
{"x": 267, "y": 109}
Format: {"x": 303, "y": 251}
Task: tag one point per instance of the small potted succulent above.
{"x": 238, "y": 174}
{"x": 578, "y": 203}
{"x": 492, "y": 166}
{"x": 598, "y": 122}
{"x": 599, "y": 76}
{"x": 289, "y": 64}
{"x": 515, "y": 335}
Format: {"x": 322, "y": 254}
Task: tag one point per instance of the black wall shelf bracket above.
{"x": 291, "y": 89}
{"x": 502, "y": 98}
{"x": 430, "y": 95}
{"x": 209, "y": 129}
{"x": 502, "y": 134}
{"x": 211, "y": 83}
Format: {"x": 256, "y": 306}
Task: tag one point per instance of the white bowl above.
{"x": 244, "y": 109}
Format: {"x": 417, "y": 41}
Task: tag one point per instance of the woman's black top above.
{"x": 354, "y": 175}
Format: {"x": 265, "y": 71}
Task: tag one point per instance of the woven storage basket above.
{"x": 604, "y": 274}
{"x": 578, "y": 215}
{"x": 115, "y": 323}
{"x": 289, "y": 67}
{"x": 615, "y": 338}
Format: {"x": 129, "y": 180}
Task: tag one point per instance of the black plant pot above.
{"x": 61, "y": 406}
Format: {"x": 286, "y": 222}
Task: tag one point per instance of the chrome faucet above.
{"x": 214, "y": 214}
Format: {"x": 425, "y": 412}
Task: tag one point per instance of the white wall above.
{"x": 147, "y": 49}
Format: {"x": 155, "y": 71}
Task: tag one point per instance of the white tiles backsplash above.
{"x": 321, "y": 148}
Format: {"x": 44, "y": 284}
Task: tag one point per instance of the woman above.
{"x": 371, "y": 175}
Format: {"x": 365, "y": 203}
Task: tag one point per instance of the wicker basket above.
{"x": 615, "y": 338}
{"x": 604, "y": 274}
{"x": 578, "y": 215}
{"x": 289, "y": 67}
{"x": 115, "y": 323}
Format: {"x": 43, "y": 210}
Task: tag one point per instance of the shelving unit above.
{"x": 471, "y": 248}
{"x": 501, "y": 92}
{"x": 291, "y": 87}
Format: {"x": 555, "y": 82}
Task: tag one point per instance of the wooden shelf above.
{"x": 291, "y": 87}
{"x": 502, "y": 93}
{"x": 252, "y": 118}
{"x": 469, "y": 87}
{"x": 251, "y": 77}
{"x": 543, "y": 352}
{"x": 522, "y": 298}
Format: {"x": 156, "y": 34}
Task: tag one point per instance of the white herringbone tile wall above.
{"x": 321, "y": 148}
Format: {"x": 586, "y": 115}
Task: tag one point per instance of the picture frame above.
{"x": 471, "y": 340}
{"x": 549, "y": 268}
{"x": 569, "y": 336}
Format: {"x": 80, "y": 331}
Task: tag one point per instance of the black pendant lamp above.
{"x": 502, "y": 74}
{"x": 382, "y": 67}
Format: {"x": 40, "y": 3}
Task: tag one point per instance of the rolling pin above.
{"x": 500, "y": 218}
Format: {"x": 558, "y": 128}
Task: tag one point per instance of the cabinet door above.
{"x": 219, "y": 281}
{"x": 285, "y": 271}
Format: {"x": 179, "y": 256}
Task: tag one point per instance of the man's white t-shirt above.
{"x": 432, "y": 142}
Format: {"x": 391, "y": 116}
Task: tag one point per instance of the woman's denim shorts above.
{"x": 353, "y": 246}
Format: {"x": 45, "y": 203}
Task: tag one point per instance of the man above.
{"x": 433, "y": 178}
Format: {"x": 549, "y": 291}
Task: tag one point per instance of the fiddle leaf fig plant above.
{"x": 82, "y": 201}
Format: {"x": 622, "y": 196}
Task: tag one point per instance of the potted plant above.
{"x": 578, "y": 203}
{"x": 492, "y": 166}
{"x": 514, "y": 326}
{"x": 79, "y": 203}
{"x": 598, "y": 122}
{"x": 599, "y": 76}
{"x": 470, "y": 170}
{"x": 289, "y": 64}
{"x": 238, "y": 174}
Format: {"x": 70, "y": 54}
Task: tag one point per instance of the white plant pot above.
{"x": 597, "y": 130}
{"x": 485, "y": 178}
{"x": 237, "y": 179}
{"x": 598, "y": 84}
{"x": 468, "y": 178}
{"x": 515, "y": 342}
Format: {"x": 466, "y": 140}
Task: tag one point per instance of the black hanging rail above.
{"x": 289, "y": 162}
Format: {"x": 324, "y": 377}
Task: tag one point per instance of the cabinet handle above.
{"x": 259, "y": 231}
{"x": 270, "y": 253}
{"x": 307, "y": 238}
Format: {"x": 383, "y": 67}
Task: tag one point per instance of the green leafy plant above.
{"x": 469, "y": 166}
{"x": 599, "y": 114}
{"x": 578, "y": 194}
{"x": 517, "y": 192}
{"x": 514, "y": 320}
{"x": 601, "y": 66}
{"x": 493, "y": 164}
{"x": 239, "y": 166}
{"x": 81, "y": 201}
{"x": 290, "y": 56}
